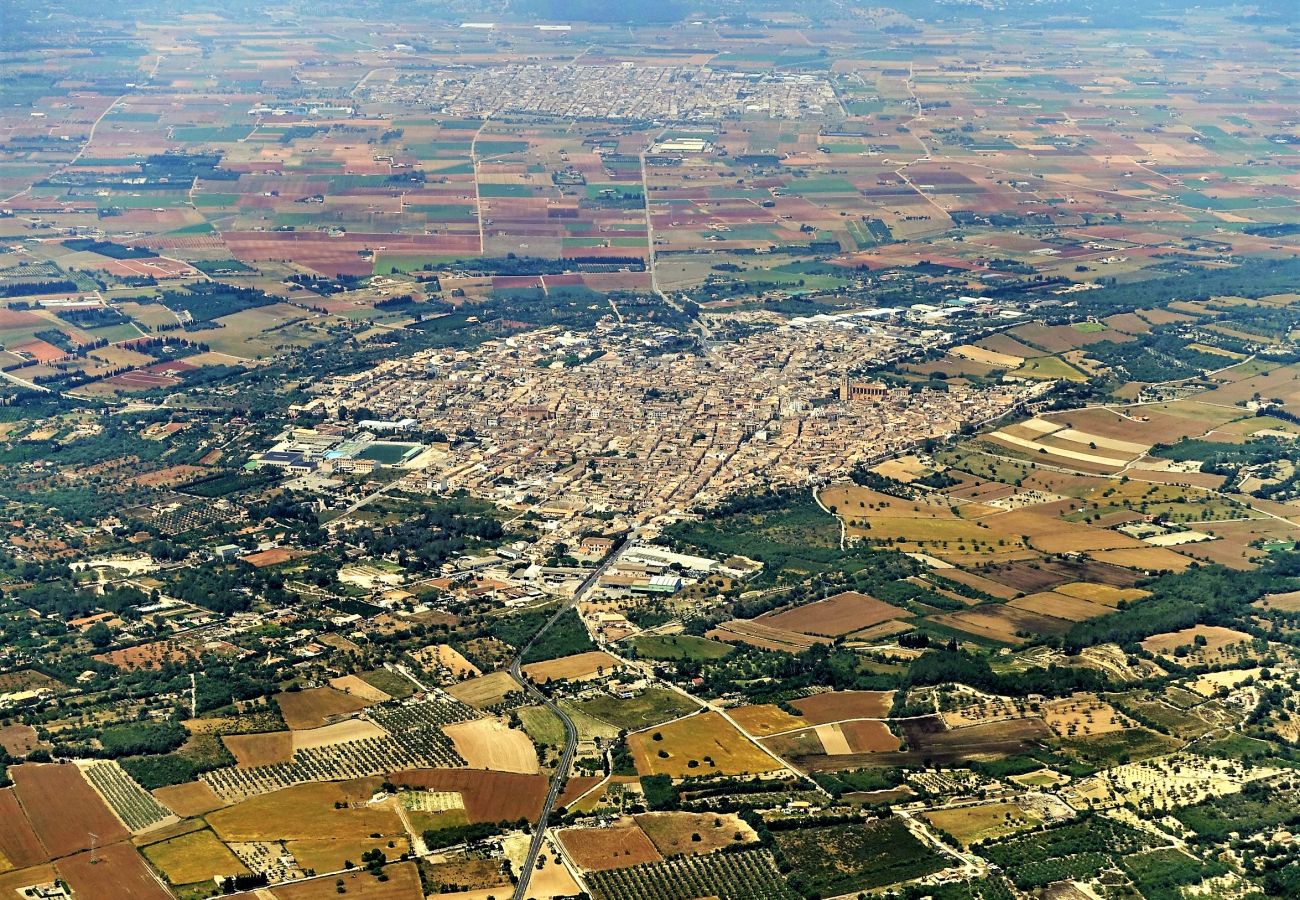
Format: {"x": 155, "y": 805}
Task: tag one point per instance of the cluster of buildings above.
{"x": 641, "y": 435}
{"x": 622, "y": 92}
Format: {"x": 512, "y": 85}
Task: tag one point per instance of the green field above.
{"x": 542, "y": 725}
{"x": 1049, "y": 367}
{"x": 386, "y": 453}
{"x": 679, "y": 646}
{"x": 837, "y": 859}
{"x": 652, "y": 707}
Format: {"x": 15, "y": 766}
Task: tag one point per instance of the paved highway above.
{"x": 570, "y": 730}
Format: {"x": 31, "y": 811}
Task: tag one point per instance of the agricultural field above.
{"x": 875, "y": 428}
{"x": 1205, "y": 645}
{"x": 132, "y": 803}
{"x": 317, "y": 706}
{"x": 194, "y": 857}
{"x": 491, "y": 744}
{"x": 700, "y": 744}
{"x": 18, "y": 841}
{"x": 63, "y": 809}
{"x": 838, "y": 859}
{"x": 116, "y": 871}
{"x": 650, "y": 707}
{"x": 674, "y": 833}
{"x": 488, "y": 797}
{"x": 974, "y": 824}
{"x": 191, "y": 799}
{"x": 615, "y": 847}
{"x": 678, "y": 647}
{"x": 400, "y": 882}
{"x": 573, "y": 668}
{"x": 485, "y": 691}
{"x": 749, "y": 875}
{"x": 1082, "y": 715}
{"x": 836, "y": 706}
{"x": 308, "y": 812}
{"x": 838, "y": 615}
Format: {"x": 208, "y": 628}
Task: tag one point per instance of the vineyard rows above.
{"x": 413, "y": 749}
{"x": 748, "y": 875}
{"x": 133, "y": 804}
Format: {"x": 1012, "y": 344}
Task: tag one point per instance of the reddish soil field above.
{"x": 42, "y": 351}
{"x": 149, "y": 656}
{"x": 834, "y": 616}
{"x": 142, "y": 381}
{"x": 599, "y": 849}
{"x": 1002, "y": 623}
{"x": 869, "y": 737}
{"x": 568, "y": 280}
{"x": 577, "y": 786}
{"x": 488, "y": 796}
{"x": 170, "y": 367}
{"x": 989, "y": 586}
{"x": 760, "y": 635}
{"x": 64, "y": 810}
{"x": 1004, "y": 343}
{"x": 17, "y": 318}
{"x": 18, "y": 843}
{"x": 507, "y": 282}
{"x": 838, "y": 705}
{"x": 1060, "y": 606}
{"x": 18, "y": 740}
{"x": 116, "y": 871}
{"x": 272, "y": 557}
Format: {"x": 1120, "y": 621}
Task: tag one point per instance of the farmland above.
{"x": 198, "y": 856}
{"x": 731, "y": 876}
{"x": 834, "y": 616}
{"x": 837, "y": 859}
{"x": 116, "y": 871}
{"x": 679, "y": 647}
{"x": 972, "y": 824}
{"x": 617, "y": 847}
{"x": 648, "y": 708}
{"x": 578, "y": 666}
{"x": 18, "y": 841}
{"x": 305, "y": 812}
{"x": 738, "y": 452}
{"x": 693, "y": 833}
{"x": 63, "y": 809}
{"x": 488, "y": 690}
{"x": 316, "y": 706}
{"x": 488, "y": 796}
{"x": 701, "y": 744}
{"x": 489, "y": 744}
{"x": 402, "y": 882}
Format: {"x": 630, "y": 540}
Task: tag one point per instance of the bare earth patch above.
{"x": 492, "y": 744}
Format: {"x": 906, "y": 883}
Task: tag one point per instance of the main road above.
{"x": 570, "y": 730}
